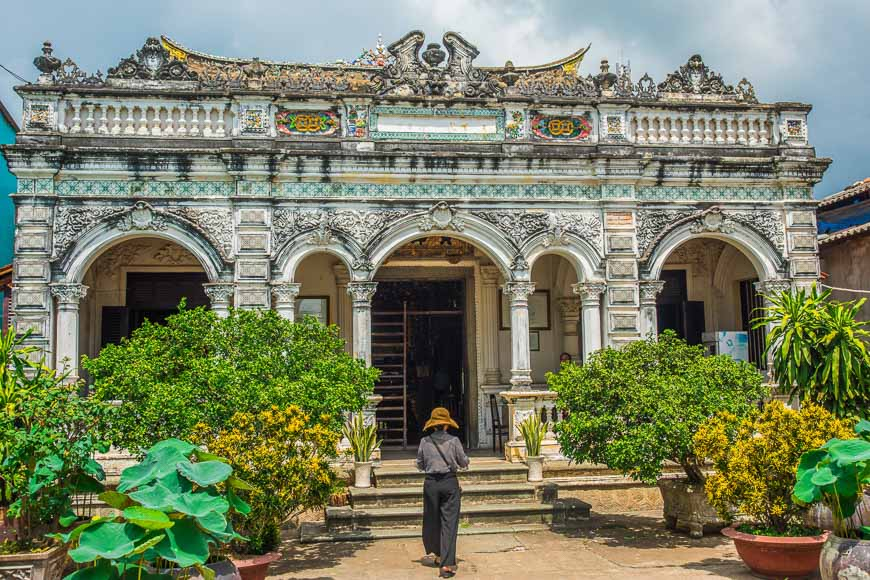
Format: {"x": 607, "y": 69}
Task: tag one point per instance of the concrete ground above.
{"x": 634, "y": 545}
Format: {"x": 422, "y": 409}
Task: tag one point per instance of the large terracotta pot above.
{"x": 46, "y": 565}
{"x": 255, "y": 567}
{"x": 778, "y": 557}
{"x": 844, "y": 559}
{"x": 686, "y": 508}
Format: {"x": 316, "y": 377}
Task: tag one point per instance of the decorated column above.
{"x": 649, "y": 291}
{"x": 343, "y": 307}
{"x": 220, "y": 294}
{"x": 68, "y": 296}
{"x": 489, "y": 320}
{"x": 772, "y": 287}
{"x": 521, "y": 365}
{"x": 362, "y": 294}
{"x": 590, "y": 299}
{"x": 285, "y": 294}
{"x": 569, "y": 306}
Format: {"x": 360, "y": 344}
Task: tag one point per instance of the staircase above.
{"x": 496, "y": 498}
{"x": 389, "y": 355}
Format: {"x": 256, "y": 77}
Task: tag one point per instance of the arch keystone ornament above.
{"x": 141, "y": 217}
{"x": 441, "y": 216}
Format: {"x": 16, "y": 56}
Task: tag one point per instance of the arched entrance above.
{"x": 709, "y": 297}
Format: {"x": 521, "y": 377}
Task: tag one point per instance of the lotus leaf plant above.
{"x": 173, "y": 509}
{"x": 836, "y": 474}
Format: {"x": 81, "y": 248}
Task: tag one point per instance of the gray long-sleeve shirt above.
{"x": 430, "y": 461}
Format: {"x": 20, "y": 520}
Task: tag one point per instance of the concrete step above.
{"x": 567, "y": 513}
{"x": 480, "y": 473}
{"x": 412, "y": 495}
{"x": 312, "y": 532}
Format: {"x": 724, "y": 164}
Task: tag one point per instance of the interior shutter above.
{"x": 115, "y": 325}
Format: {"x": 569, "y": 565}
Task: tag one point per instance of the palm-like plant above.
{"x": 819, "y": 351}
{"x": 363, "y": 438}
{"x": 533, "y": 431}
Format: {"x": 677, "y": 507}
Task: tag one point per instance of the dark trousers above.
{"x": 441, "y": 499}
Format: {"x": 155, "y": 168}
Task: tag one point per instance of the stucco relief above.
{"x": 215, "y": 223}
{"x": 70, "y": 222}
{"x": 522, "y": 225}
{"x": 358, "y": 225}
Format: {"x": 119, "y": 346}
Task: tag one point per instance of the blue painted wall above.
{"x": 7, "y": 186}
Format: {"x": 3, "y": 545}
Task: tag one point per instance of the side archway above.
{"x": 587, "y": 262}
{"x": 292, "y": 254}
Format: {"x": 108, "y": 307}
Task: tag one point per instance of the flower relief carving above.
{"x": 215, "y": 223}
{"x": 322, "y": 235}
{"x": 768, "y": 223}
{"x": 219, "y": 292}
{"x": 520, "y": 266}
{"x": 441, "y": 216}
{"x": 70, "y": 222}
{"x": 123, "y": 254}
{"x": 773, "y": 286}
{"x": 650, "y": 289}
{"x": 362, "y": 264}
{"x": 173, "y": 254}
{"x": 712, "y": 220}
{"x": 653, "y": 224}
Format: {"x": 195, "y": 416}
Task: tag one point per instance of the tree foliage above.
{"x": 637, "y": 407}
{"x": 756, "y": 457}
{"x": 819, "y": 350}
{"x": 285, "y": 456}
{"x": 200, "y": 369}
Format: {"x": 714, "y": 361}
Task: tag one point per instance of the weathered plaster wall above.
{"x": 846, "y": 264}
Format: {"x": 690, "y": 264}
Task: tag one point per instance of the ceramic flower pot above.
{"x": 536, "y": 468}
{"x": 255, "y": 567}
{"x": 819, "y": 515}
{"x": 845, "y": 559}
{"x": 778, "y": 557}
{"x": 46, "y": 565}
{"x": 362, "y": 473}
{"x": 686, "y": 508}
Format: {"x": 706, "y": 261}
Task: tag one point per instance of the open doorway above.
{"x": 418, "y": 342}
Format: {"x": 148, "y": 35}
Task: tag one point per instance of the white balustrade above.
{"x": 662, "y": 127}
{"x": 146, "y": 118}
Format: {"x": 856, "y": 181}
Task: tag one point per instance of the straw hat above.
{"x": 440, "y": 416}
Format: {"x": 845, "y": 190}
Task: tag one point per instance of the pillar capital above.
{"x": 489, "y": 275}
{"x": 590, "y": 292}
{"x": 362, "y": 293}
{"x": 342, "y": 276}
{"x": 220, "y": 294}
{"x": 286, "y": 292}
{"x": 519, "y": 291}
{"x": 569, "y": 306}
{"x": 650, "y": 289}
{"x": 70, "y": 293}
{"x": 774, "y": 285}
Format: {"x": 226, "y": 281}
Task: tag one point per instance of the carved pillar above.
{"x": 772, "y": 287}
{"x": 343, "y": 305}
{"x": 649, "y": 291}
{"x": 219, "y": 294}
{"x": 67, "y": 348}
{"x": 521, "y": 365}
{"x": 285, "y": 294}
{"x": 590, "y": 298}
{"x": 569, "y": 306}
{"x": 489, "y": 305}
{"x": 362, "y": 293}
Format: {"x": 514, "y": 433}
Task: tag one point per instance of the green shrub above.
{"x": 635, "y": 408}
{"x": 819, "y": 350}
{"x": 200, "y": 369}
{"x": 48, "y": 436}
{"x": 755, "y": 460}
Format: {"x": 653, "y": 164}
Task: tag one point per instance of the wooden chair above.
{"x": 498, "y": 430}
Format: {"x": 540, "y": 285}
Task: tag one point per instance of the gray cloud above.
{"x": 791, "y": 50}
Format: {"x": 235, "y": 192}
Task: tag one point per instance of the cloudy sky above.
{"x": 811, "y": 51}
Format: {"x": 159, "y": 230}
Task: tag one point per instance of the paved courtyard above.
{"x": 611, "y": 546}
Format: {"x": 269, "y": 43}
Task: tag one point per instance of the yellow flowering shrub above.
{"x": 756, "y": 459}
{"x": 284, "y": 454}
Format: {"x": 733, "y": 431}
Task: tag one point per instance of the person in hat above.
{"x": 440, "y": 456}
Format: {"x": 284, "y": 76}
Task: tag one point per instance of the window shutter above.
{"x": 115, "y": 325}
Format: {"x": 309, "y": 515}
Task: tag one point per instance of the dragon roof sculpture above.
{"x": 402, "y": 69}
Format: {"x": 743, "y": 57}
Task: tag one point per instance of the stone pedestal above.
{"x": 521, "y": 406}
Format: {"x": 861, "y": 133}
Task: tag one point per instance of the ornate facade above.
{"x": 583, "y": 185}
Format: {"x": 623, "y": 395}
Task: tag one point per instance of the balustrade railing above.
{"x": 662, "y": 127}
{"x": 146, "y": 118}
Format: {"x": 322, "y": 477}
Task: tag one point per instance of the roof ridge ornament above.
{"x": 696, "y": 78}
{"x": 152, "y": 62}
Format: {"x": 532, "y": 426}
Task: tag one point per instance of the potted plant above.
{"x": 285, "y": 455}
{"x": 636, "y": 408}
{"x": 363, "y": 441}
{"x": 755, "y": 459}
{"x": 48, "y": 435}
{"x": 837, "y": 475}
{"x": 170, "y": 509}
{"x": 533, "y": 431}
